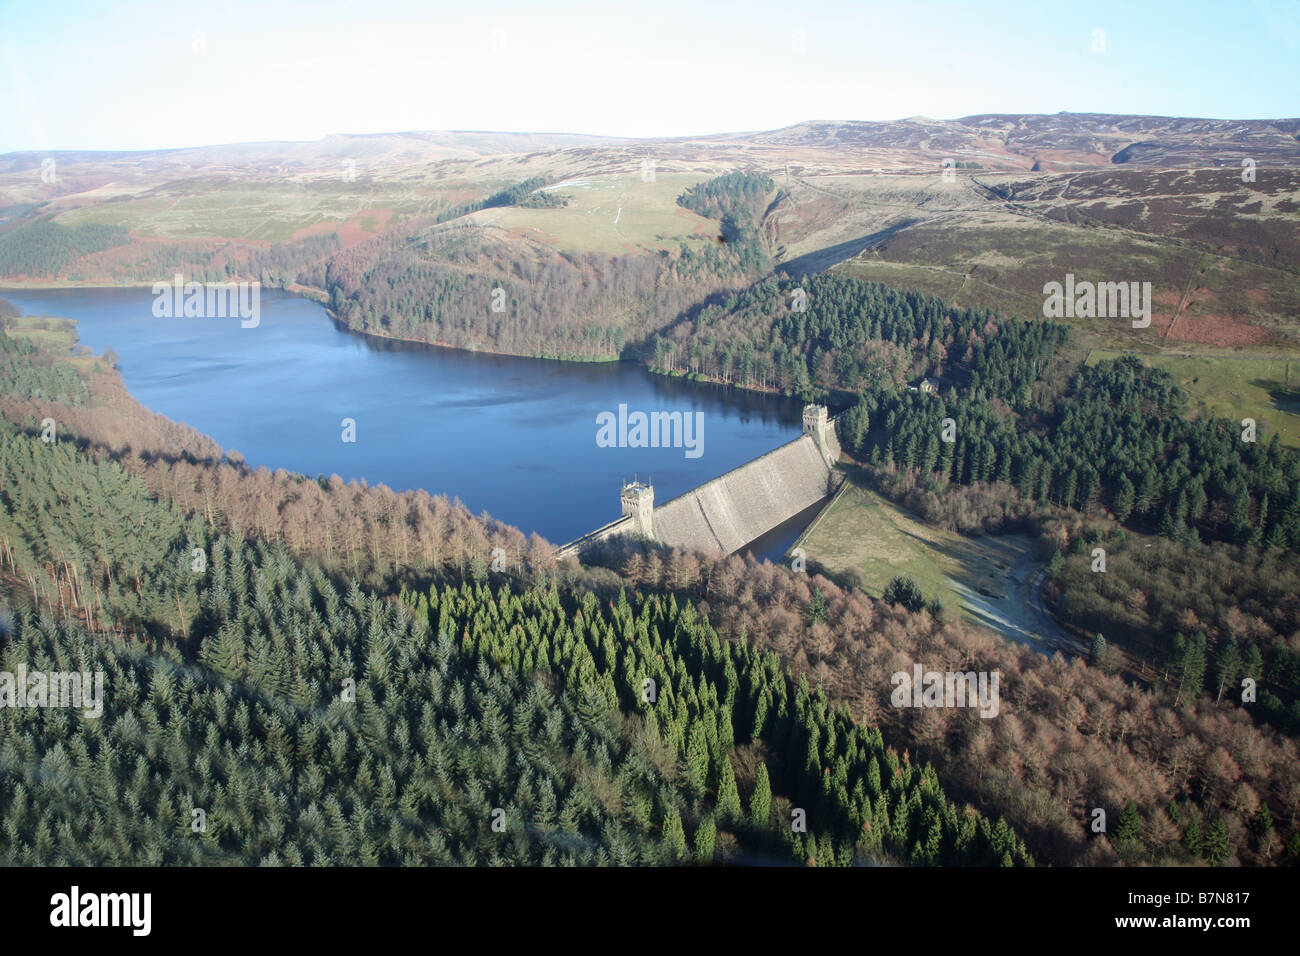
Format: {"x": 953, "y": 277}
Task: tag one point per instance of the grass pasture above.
{"x": 607, "y": 213}
{"x": 610, "y": 213}
{"x": 45, "y": 333}
{"x": 1267, "y": 390}
{"x": 987, "y": 580}
{"x": 880, "y": 539}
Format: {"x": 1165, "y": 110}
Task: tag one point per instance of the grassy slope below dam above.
{"x": 990, "y": 579}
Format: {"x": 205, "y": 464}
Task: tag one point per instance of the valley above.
{"x": 378, "y": 468}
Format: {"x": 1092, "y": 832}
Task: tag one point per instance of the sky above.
{"x": 148, "y": 75}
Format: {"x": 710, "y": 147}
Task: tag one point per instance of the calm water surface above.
{"x": 510, "y": 436}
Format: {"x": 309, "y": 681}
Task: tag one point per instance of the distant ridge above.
{"x": 1067, "y": 137}
{"x": 1079, "y": 137}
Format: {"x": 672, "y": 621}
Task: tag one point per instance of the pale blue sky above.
{"x": 83, "y": 75}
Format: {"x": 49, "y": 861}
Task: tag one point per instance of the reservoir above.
{"x": 513, "y": 437}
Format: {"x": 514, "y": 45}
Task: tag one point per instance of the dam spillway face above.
{"x": 730, "y": 511}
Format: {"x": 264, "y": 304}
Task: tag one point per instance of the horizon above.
{"x": 648, "y": 139}
{"x": 80, "y": 78}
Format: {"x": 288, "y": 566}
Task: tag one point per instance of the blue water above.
{"x": 510, "y": 436}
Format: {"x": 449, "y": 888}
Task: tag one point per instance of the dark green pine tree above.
{"x": 817, "y": 608}
{"x": 1129, "y": 826}
{"x": 760, "y": 801}
{"x": 1069, "y": 488}
{"x": 1146, "y": 492}
{"x": 728, "y": 795}
{"x": 903, "y": 590}
{"x": 1253, "y": 666}
{"x": 674, "y": 838}
{"x": 706, "y": 835}
{"x": 1098, "y": 655}
{"x": 697, "y": 758}
{"x": 1227, "y": 666}
{"x": 1215, "y": 848}
{"x": 873, "y": 777}
{"x": 1189, "y": 666}
{"x": 1124, "y": 498}
{"x": 1192, "y": 835}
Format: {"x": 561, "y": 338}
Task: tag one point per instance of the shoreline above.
{"x": 321, "y": 298}
{"x": 31, "y": 285}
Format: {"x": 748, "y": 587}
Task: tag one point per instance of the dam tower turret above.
{"x": 639, "y": 503}
{"x": 817, "y": 424}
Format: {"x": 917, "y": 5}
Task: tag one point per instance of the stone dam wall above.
{"x": 730, "y": 511}
{"x": 727, "y": 513}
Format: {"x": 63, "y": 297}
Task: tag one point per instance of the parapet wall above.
{"x": 732, "y": 510}
{"x": 619, "y": 526}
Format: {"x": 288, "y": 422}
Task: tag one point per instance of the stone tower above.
{"x": 639, "y": 503}
{"x": 818, "y": 425}
{"x": 814, "y": 420}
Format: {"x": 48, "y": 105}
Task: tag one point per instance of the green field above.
{"x": 608, "y": 213}
{"x": 987, "y": 580}
{"x": 616, "y": 213}
{"x": 58, "y": 334}
{"x": 880, "y": 539}
{"x": 1267, "y": 390}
